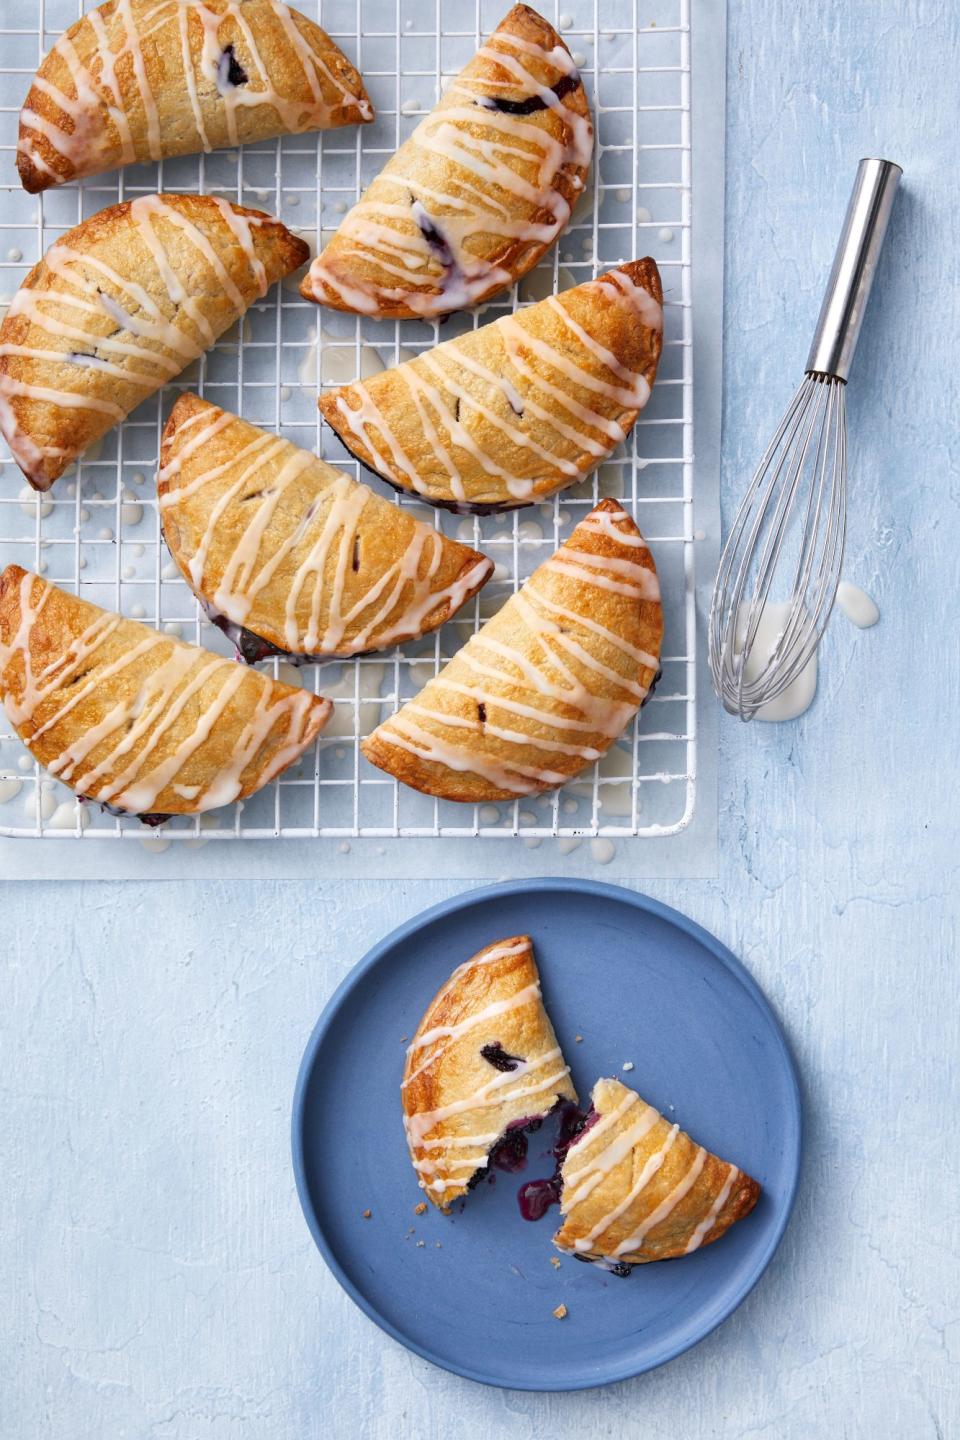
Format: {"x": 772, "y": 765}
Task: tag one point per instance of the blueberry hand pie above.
{"x": 474, "y": 197}
{"x": 135, "y": 719}
{"x": 117, "y": 307}
{"x": 287, "y": 554}
{"x": 140, "y": 80}
{"x": 509, "y": 413}
{"x": 484, "y": 1069}
{"x": 547, "y": 685}
{"x": 636, "y": 1188}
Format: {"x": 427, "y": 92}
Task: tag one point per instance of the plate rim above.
{"x": 596, "y": 889}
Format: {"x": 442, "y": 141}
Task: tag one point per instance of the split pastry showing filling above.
{"x": 288, "y": 555}
{"x": 120, "y": 305}
{"x": 470, "y": 202}
{"x": 135, "y": 719}
{"x": 140, "y": 80}
{"x": 507, "y": 414}
{"x": 636, "y": 1188}
{"x": 547, "y": 685}
{"x": 483, "y": 1070}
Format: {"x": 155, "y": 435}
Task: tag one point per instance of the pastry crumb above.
{"x": 627, "y": 1065}
{"x": 560, "y": 1313}
{"x": 367, "y": 1214}
{"x": 420, "y": 1209}
{"x": 404, "y": 1039}
{"x": 420, "y": 1244}
{"x": 438, "y": 1245}
{"x": 555, "y": 1261}
{"x": 579, "y": 1039}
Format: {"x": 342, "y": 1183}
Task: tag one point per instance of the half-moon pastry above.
{"x": 470, "y": 202}
{"x": 636, "y": 1188}
{"x": 547, "y": 685}
{"x": 140, "y": 80}
{"x": 289, "y": 555}
{"x": 509, "y": 413}
{"x": 117, "y": 307}
{"x": 484, "y": 1068}
{"x": 143, "y": 723}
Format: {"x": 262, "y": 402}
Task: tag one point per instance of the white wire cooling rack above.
{"x": 98, "y": 532}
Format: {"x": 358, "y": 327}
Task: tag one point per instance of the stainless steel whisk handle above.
{"x": 854, "y": 266}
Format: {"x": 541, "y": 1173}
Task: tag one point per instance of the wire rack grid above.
{"x": 98, "y": 531}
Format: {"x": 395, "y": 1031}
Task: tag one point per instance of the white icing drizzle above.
{"x": 282, "y": 504}
{"x": 494, "y": 160}
{"x": 656, "y": 1217}
{"x": 529, "y": 995}
{"x": 710, "y": 1219}
{"x": 155, "y": 340}
{"x": 581, "y": 415}
{"x": 129, "y": 774}
{"x": 104, "y": 123}
{"x": 556, "y": 697}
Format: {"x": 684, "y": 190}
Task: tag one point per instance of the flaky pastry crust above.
{"x": 484, "y": 1063}
{"x": 141, "y": 80}
{"x": 136, "y": 719}
{"x": 277, "y": 542}
{"x": 117, "y": 307}
{"x": 547, "y": 685}
{"x": 637, "y": 1189}
{"x": 474, "y": 197}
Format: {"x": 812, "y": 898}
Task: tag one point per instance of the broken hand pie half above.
{"x": 117, "y": 307}
{"x": 636, "y": 1188}
{"x": 137, "y": 720}
{"x": 547, "y": 685}
{"x": 287, "y": 554}
{"x": 509, "y": 413}
{"x": 140, "y": 80}
{"x": 484, "y": 1068}
{"x": 473, "y": 198}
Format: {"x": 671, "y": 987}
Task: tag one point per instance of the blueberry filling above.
{"x": 152, "y": 819}
{"x": 532, "y": 103}
{"x": 509, "y": 1152}
{"x": 536, "y": 1196}
{"x": 86, "y": 362}
{"x": 433, "y": 235}
{"x": 230, "y": 73}
{"x": 612, "y": 1267}
{"x": 251, "y": 648}
{"x": 496, "y": 1056}
{"x": 652, "y": 686}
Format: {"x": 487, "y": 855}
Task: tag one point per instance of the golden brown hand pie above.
{"x": 509, "y": 413}
{"x": 483, "y": 186}
{"x": 484, "y": 1068}
{"x": 636, "y": 1188}
{"x": 141, "y": 722}
{"x": 287, "y": 554}
{"x": 139, "y": 80}
{"x": 547, "y": 685}
{"x": 117, "y": 307}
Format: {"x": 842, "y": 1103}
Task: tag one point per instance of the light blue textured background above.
{"x": 155, "y": 1273}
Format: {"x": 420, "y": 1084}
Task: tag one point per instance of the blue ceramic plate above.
{"x": 474, "y": 1291}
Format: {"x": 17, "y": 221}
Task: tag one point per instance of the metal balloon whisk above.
{"x": 793, "y": 516}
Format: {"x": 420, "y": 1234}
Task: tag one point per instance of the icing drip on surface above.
{"x": 472, "y": 411}
{"x": 284, "y": 507}
{"x": 505, "y": 150}
{"x": 565, "y": 688}
{"x": 109, "y": 111}
{"x": 140, "y": 692}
